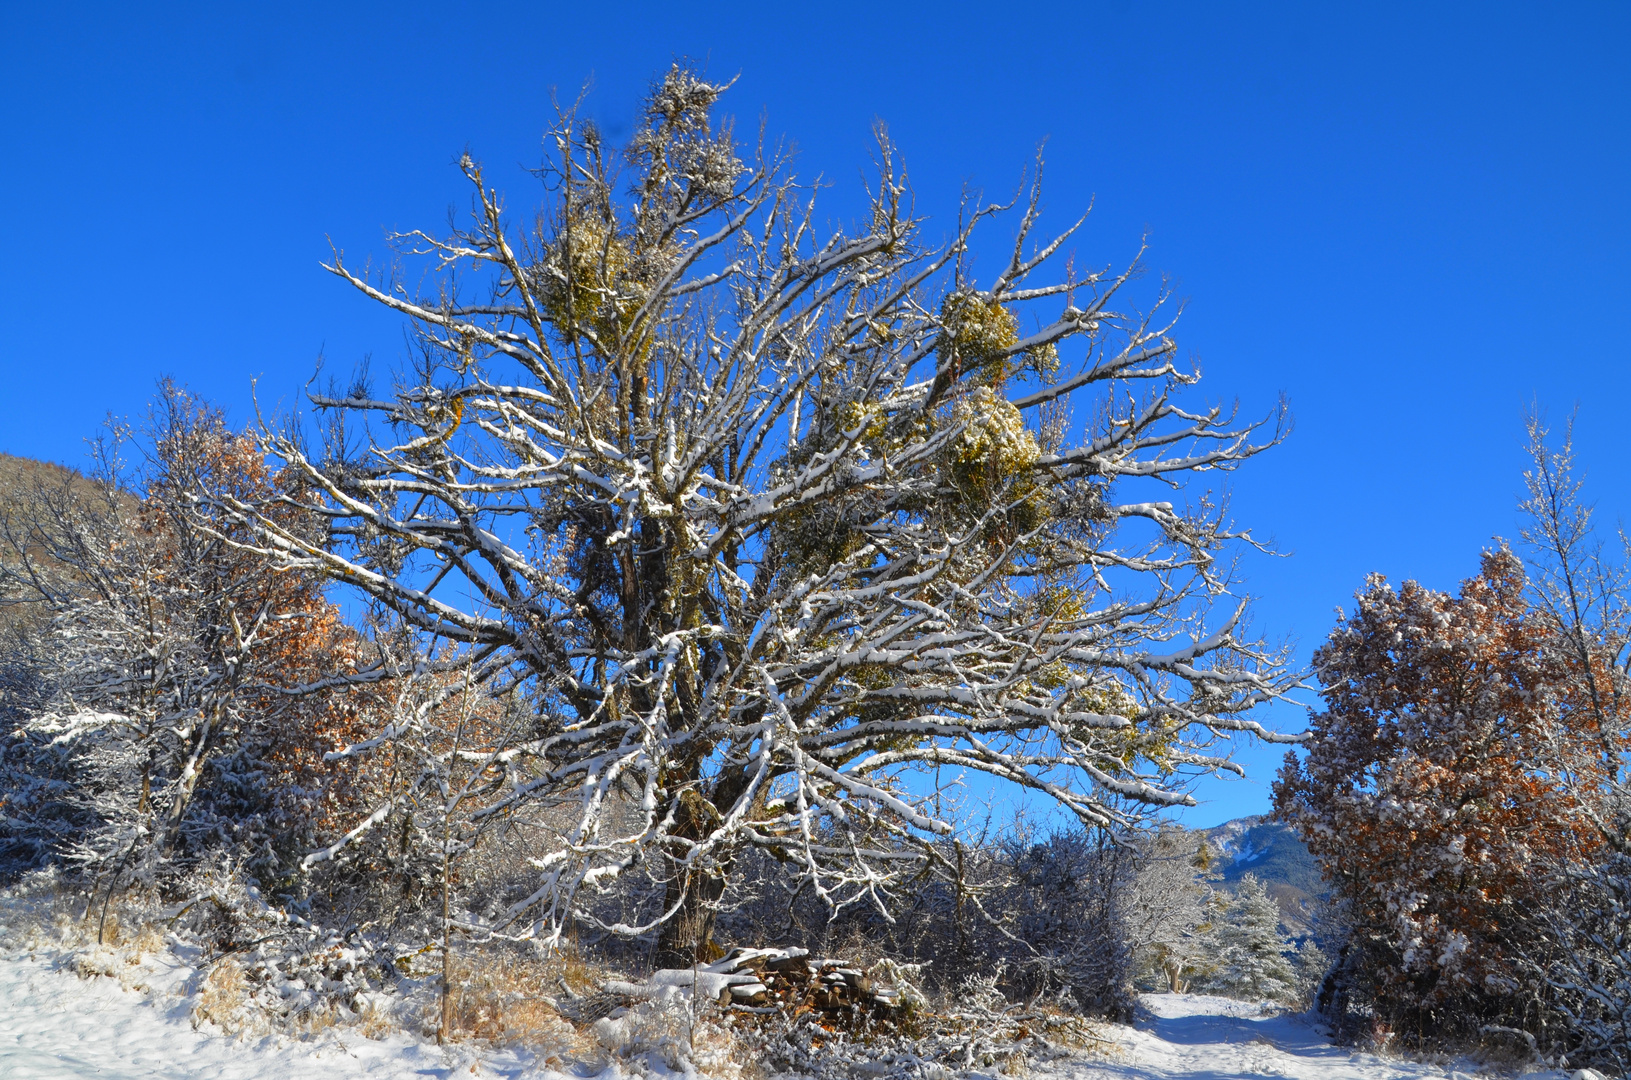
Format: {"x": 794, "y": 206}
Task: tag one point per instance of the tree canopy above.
{"x": 762, "y": 518}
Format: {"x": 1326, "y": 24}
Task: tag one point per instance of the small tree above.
{"x": 436, "y": 769}
{"x": 1431, "y": 794}
{"x": 168, "y": 725}
{"x": 770, "y": 519}
{"x": 1249, "y": 958}
{"x": 1580, "y": 595}
{"x": 1167, "y": 904}
{"x": 1310, "y": 964}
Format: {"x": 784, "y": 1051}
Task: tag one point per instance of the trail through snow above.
{"x": 1198, "y": 1037}
{"x": 57, "y": 1026}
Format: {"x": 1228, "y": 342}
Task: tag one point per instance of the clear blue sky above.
{"x": 1412, "y": 220}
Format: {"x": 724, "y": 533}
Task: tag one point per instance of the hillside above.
{"x": 1273, "y": 852}
{"x": 32, "y": 496}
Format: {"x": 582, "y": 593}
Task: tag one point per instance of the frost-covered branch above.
{"x": 772, "y": 524}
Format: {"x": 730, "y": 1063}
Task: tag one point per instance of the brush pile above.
{"x": 786, "y": 981}
{"x": 831, "y": 1019}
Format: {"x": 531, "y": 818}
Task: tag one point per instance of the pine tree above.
{"x": 1250, "y": 961}
{"x": 1311, "y": 964}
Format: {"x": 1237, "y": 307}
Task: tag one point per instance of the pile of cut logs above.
{"x": 788, "y": 979}
{"x": 768, "y": 981}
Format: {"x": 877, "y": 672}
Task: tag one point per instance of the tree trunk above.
{"x": 687, "y": 938}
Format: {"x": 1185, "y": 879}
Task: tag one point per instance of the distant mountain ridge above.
{"x": 1277, "y": 856}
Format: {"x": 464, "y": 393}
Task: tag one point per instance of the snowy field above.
{"x": 55, "y": 1025}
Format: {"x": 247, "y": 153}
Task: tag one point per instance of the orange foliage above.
{"x": 1433, "y": 793}
{"x": 273, "y": 633}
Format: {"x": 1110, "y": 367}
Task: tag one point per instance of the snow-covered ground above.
{"x": 55, "y": 1025}
{"x": 1199, "y": 1037}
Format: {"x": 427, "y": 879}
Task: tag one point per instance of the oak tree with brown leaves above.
{"x": 1431, "y": 793}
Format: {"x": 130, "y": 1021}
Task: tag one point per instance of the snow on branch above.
{"x": 770, "y": 521}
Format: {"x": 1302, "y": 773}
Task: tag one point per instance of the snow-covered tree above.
{"x": 1250, "y": 954}
{"x": 1580, "y": 966}
{"x": 1310, "y": 965}
{"x": 770, "y": 517}
{"x": 166, "y": 727}
{"x": 1432, "y": 792}
{"x": 1168, "y": 902}
{"x": 1060, "y": 905}
{"x": 435, "y": 768}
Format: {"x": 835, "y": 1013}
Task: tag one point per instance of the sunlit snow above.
{"x": 55, "y": 1025}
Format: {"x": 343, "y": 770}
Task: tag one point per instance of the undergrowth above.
{"x": 248, "y": 970}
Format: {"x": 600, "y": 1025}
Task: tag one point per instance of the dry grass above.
{"x": 227, "y": 1000}
{"x": 376, "y": 1020}
{"x": 689, "y": 1036}
{"x": 135, "y": 939}
{"x": 223, "y": 998}
{"x": 127, "y": 939}
{"x": 222, "y": 995}
{"x": 502, "y": 999}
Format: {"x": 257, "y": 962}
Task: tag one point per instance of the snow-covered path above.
{"x": 1197, "y": 1037}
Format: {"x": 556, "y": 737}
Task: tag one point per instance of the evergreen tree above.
{"x": 1310, "y": 964}
{"x": 1251, "y": 959}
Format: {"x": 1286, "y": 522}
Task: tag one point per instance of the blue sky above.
{"x": 1410, "y": 219}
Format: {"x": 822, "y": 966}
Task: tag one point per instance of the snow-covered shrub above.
{"x": 1576, "y": 973}
{"x": 1587, "y": 964}
{"x": 1064, "y": 921}
{"x": 681, "y": 1033}
{"x": 1048, "y": 915}
{"x": 167, "y": 725}
{"x": 1309, "y": 964}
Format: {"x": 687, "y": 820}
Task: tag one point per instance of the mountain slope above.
{"x": 1279, "y": 859}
